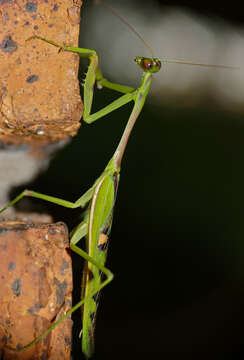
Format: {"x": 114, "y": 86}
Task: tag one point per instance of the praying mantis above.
{"x": 99, "y": 200}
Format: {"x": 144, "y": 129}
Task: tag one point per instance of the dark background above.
{"x": 231, "y": 11}
{"x": 177, "y": 244}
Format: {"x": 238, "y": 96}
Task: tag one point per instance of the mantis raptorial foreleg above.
{"x": 93, "y": 75}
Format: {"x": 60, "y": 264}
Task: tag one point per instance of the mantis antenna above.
{"x": 117, "y": 14}
{"x": 175, "y": 61}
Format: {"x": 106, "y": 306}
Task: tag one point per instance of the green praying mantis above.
{"x": 99, "y": 200}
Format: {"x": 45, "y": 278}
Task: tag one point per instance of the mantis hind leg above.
{"x": 88, "y": 325}
{"x": 92, "y": 283}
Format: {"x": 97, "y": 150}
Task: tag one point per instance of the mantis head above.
{"x": 150, "y": 65}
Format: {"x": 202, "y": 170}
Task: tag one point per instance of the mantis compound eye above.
{"x": 147, "y": 64}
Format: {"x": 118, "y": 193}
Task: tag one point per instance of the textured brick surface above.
{"x": 39, "y": 89}
{"x": 35, "y": 288}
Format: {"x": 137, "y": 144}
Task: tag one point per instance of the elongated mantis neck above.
{"x": 140, "y": 97}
